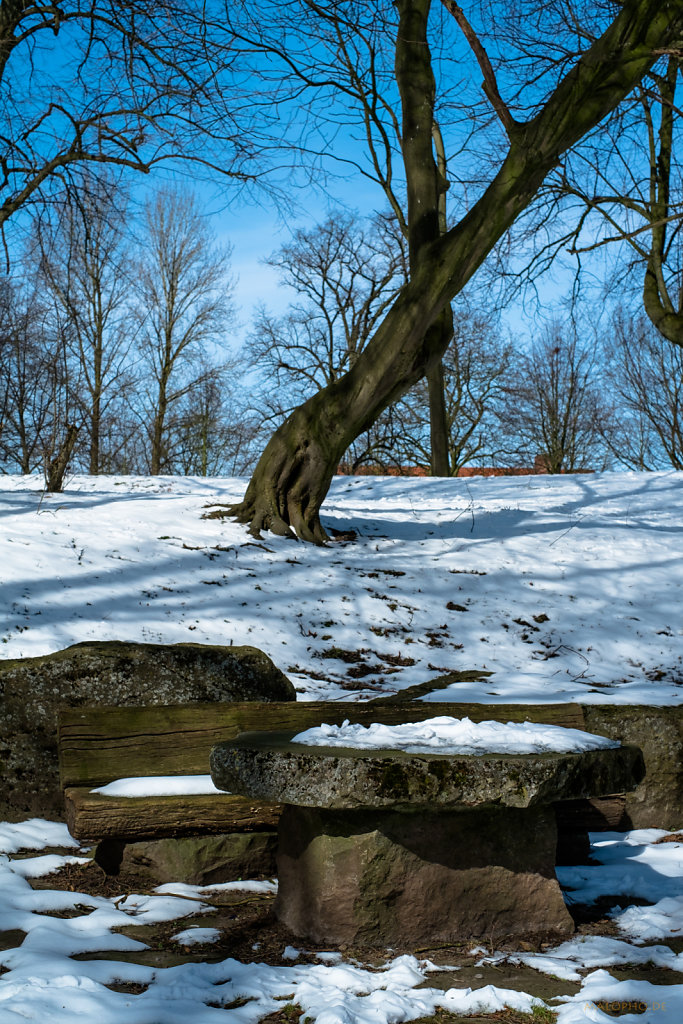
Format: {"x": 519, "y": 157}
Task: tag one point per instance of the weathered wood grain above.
{"x": 97, "y": 745}
{"x": 577, "y": 818}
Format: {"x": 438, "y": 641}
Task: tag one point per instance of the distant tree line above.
{"x": 118, "y": 355}
{"x": 115, "y": 343}
{"x": 585, "y": 392}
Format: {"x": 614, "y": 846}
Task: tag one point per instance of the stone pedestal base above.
{"x": 388, "y": 878}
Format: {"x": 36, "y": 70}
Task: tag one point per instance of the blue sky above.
{"x": 257, "y": 229}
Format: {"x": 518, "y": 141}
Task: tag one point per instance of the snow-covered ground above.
{"x": 45, "y": 980}
{"x": 562, "y": 588}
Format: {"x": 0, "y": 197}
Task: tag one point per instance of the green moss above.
{"x": 439, "y": 769}
{"x": 393, "y": 781}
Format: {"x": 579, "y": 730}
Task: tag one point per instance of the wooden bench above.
{"x": 99, "y": 745}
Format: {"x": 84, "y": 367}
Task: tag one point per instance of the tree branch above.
{"x": 489, "y": 85}
{"x": 624, "y": 236}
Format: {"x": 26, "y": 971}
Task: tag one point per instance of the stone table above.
{"x": 384, "y": 847}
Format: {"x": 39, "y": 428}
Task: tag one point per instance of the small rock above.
{"x": 203, "y": 861}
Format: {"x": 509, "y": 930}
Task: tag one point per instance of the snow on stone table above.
{"x": 446, "y": 735}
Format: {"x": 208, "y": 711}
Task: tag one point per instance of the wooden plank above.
{"x": 94, "y": 816}
{"x": 597, "y": 814}
{"x": 97, "y": 745}
{"x": 576, "y": 818}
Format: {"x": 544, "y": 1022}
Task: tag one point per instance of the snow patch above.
{"x": 446, "y": 735}
{"x": 196, "y": 936}
{"x": 160, "y": 785}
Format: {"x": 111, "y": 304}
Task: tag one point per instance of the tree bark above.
{"x": 159, "y": 421}
{"x": 56, "y": 468}
{"x": 98, "y": 354}
{"x": 438, "y": 420}
{"x": 293, "y": 475}
{"x": 657, "y": 301}
{"x": 439, "y": 429}
{"x": 425, "y": 185}
{"x": 157, "y": 439}
{"x": 95, "y": 428}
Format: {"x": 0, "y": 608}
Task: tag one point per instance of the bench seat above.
{"x": 94, "y": 816}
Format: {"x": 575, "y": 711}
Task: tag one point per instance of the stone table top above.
{"x": 269, "y": 766}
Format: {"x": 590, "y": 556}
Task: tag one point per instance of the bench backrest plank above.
{"x": 97, "y": 745}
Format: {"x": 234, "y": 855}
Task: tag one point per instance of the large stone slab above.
{"x": 386, "y": 847}
{"x": 268, "y": 766}
{"x": 384, "y": 878}
{"x": 34, "y": 690}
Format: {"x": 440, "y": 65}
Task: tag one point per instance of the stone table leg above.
{"x": 390, "y": 878}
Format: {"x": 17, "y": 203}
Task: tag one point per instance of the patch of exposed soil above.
{"x": 250, "y": 932}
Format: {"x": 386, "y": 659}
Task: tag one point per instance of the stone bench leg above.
{"x": 396, "y": 879}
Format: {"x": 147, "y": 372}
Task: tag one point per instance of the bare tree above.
{"x": 128, "y": 83}
{"x": 184, "y": 309}
{"x": 662, "y": 295}
{"x": 626, "y": 195}
{"x": 553, "y": 409}
{"x": 341, "y": 65}
{"x": 57, "y": 466}
{"x": 5, "y": 349}
{"x": 212, "y": 432}
{"x": 293, "y": 475}
{"x": 32, "y": 375}
{"x": 645, "y": 379}
{"x": 346, "y": 276}
{"x": 475, "y": 366}
{"x": 74, "y": 364}
{"x": 84, "y": 263}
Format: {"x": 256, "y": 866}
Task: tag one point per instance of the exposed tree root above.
{"x": 262, "y": 516}
{"x": 286, "y": 491}
{"x": 259, "y": 518}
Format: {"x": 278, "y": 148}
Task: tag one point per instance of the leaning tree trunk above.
{"x": 658, "y": 303}
{"x": 56, "y": 468}
{"x": 293, "y": 475}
